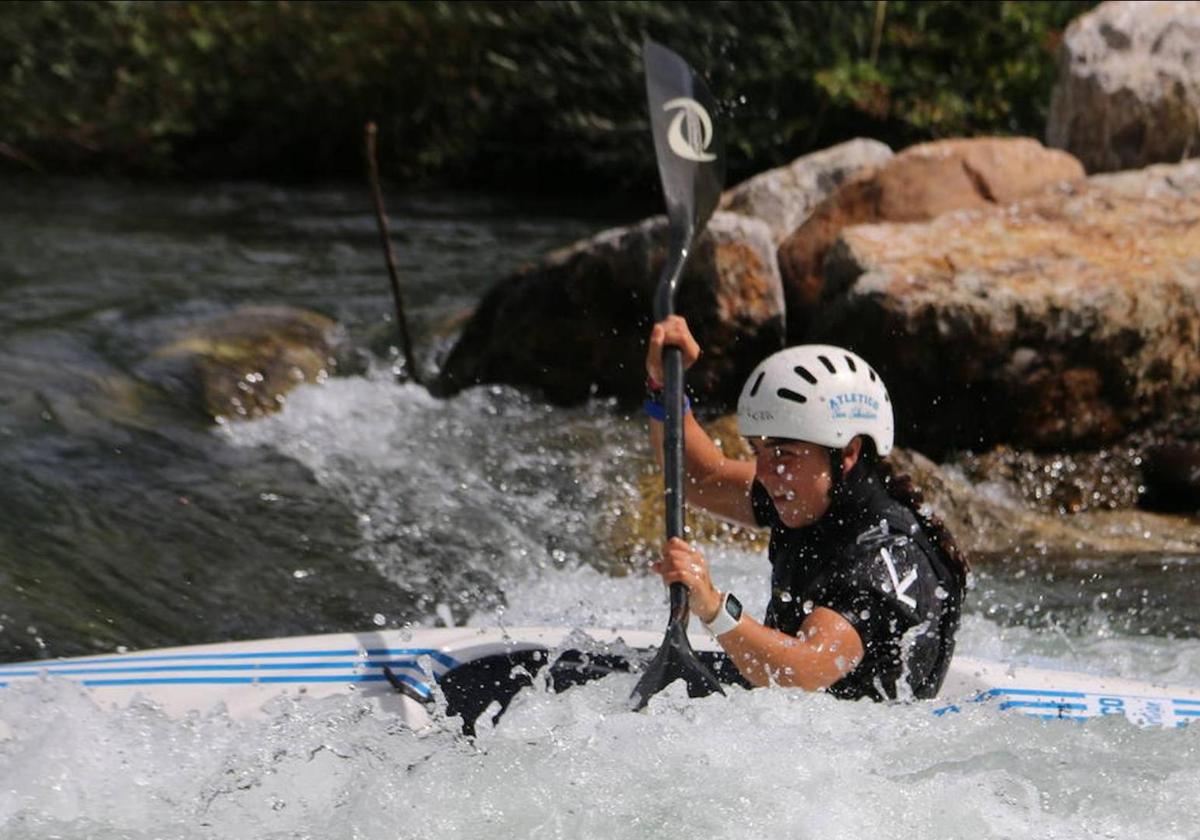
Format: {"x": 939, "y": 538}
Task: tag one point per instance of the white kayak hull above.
{"x": 244, "y": 676}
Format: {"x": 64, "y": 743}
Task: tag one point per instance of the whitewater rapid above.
{"x": 487, "y": 504}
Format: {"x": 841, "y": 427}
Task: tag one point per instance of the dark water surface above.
{"x": 125, "y": 520}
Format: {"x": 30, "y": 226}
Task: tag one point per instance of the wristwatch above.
{"x": 727, "y": 617}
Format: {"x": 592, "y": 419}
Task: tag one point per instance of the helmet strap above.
{"x": 836, "y": 478}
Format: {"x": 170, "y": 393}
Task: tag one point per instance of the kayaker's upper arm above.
{"x": 724, "y": 489}
{"x": 716, "y": 483}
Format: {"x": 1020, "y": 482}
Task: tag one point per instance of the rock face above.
{"x": 243, "y": 364}
{"x": 575, "y": 323}
{"x": 1061, "y": 321}
{"x": 1128, "y": 90}
{"x": 919, "y": 184}
{"x": 784, "y": 197}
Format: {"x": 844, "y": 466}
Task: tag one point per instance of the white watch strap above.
{"x": 723, "y": 622}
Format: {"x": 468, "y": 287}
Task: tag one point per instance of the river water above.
{"x": 126, "y": 523}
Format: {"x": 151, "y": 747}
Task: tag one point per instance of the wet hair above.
{"x": 900, "y": 487}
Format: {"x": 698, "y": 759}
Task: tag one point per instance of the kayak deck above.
{"x": 473, "y": 668}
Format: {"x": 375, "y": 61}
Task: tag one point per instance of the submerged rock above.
{"x": 1061, "y": 482}
{"x": 243, "y": 364}
{"x": 1128, "y": 90}
{"x": 1063, "y": 321}
{"x": 992, "y": 521}
{"x": 785, "y": 196}
{"x": 575, "y": 323}
{"x": 920, "y": 183}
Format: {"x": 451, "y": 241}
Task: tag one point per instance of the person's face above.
{"x": 797, "y": 477}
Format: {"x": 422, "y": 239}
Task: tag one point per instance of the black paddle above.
{"x": 691, "y": 162}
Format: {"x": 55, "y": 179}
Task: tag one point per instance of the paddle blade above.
{"x": 675, "y": 660}
{"x": 690, "y": 150}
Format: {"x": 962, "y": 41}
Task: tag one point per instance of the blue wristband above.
{"x": 655, "y": 410}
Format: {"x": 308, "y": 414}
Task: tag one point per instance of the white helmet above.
{"x": 817, "y": 393}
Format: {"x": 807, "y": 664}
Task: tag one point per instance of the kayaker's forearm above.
{"x": 769, "y": 657}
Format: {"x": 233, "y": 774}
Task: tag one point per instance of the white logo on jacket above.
{"x": 900, "y": 586}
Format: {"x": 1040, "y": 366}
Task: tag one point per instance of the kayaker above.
{"x": 866, "y": 587}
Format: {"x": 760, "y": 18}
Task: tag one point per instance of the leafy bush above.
{"x": 536, "y": 95}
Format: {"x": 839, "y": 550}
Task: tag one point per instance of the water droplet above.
{"x": 379, "y": 619}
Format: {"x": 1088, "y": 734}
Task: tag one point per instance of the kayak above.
{"x": 412, "y": 673}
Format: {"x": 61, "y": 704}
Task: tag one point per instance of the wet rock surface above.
{"x": 784, "y": 197}
{"x": 918, "y": 184}
{"x": 574, "y": 324}
{"x": 994, "y": 520}
{"x": 242, "y": 365}
{"x": 1061, "y": 482}
{"x": 1128, "y": 92}
{"x": 1063, "y": 321}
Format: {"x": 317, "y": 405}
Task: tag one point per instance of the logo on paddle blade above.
{"x": 691, "y": 130}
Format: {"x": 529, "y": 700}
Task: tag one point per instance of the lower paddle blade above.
{"x": 675, "y": 660}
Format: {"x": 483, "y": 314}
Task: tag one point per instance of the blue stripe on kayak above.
{"x": 1034, "y": 692}
{"x": 1031, "y": 704}
{"x": 1187, "y": 713}
{"x": 437, "y": 655}
{"x": 410, "y": 664}
{"x": 1179, "y": 701}
{"x": 347, "y": 678}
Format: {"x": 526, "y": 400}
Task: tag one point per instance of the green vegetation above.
{"x": 517, "y": 94}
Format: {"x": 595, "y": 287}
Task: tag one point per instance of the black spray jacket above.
{"x": 869, "y": 560}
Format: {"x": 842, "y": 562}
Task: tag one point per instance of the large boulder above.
{"x": 242, "y": 365}
{"x": 920, "y": 183}
{"x": 1128, "y": 90}
{"x": 785, "y": 196}
{"x": 575, "y": 323}
{"x": 1062, "y": 321}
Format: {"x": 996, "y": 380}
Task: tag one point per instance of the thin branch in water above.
{"x": 390, "y": 256}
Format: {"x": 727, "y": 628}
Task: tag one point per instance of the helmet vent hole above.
{"x": 757, "y": 383}
{"x": 850, "y": 362}
{"x": 828, "y": 364}
{"x": 803, "y": 371}
{"x": 871, "y": 373}
{"x": 789, "y": 394}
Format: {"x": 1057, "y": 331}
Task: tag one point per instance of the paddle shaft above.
{"x": 673, "y": 451}
{"x": 692, "y": 170}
